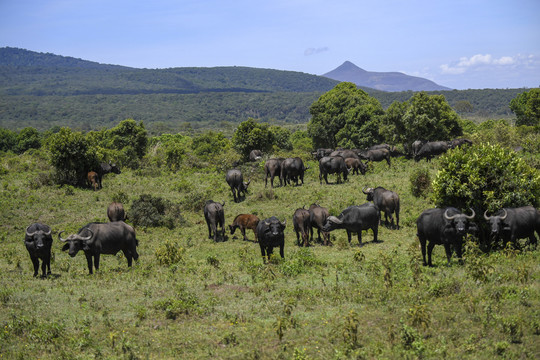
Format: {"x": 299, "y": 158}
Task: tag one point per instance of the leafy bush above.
{"x": 252, "y": 135}
{"x": 420, "y": 182}
{"x": 149, "y": 211}
{"x": 169, "y": 253}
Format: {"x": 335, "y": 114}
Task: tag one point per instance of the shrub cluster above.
{"x": 154, "y": 211}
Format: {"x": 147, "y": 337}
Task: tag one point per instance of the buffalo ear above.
{"x": 65, "y": 247}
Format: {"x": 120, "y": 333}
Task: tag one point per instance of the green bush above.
{"x": 150, "y": 211}
{"x": 420, "y": 182}
{"x": 169, "y": 253}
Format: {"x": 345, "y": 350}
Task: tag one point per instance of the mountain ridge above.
{"x": 385, "y": 81}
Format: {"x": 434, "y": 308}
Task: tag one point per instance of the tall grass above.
{"x": 190, "y": 298}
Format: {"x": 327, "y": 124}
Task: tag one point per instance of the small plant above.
{"x": 420, "y": 316}
{"x": 501, "y": 347}
{"x": 512, "y": 327}
{"x": 170, "y": 253}
{"x": 230, "y": 339}
{"x": 213, "y": 260}
{"x": 420, "y": 182}
{"x": 477, "y": 267}
{"x": 350, "y": 330}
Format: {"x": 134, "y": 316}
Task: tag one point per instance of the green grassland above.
{"x": 219, "y": 301}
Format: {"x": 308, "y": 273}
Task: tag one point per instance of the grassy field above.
{"x": 190, "y": 298}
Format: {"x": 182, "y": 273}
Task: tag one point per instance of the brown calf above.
{"x": 116, "y": 212}
{"x": 355, "y": 165}
{"x": 92, "y": 180}
{"x": 245, "y": 221}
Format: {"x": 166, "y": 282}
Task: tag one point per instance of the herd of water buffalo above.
{"x": 446, "y": 226}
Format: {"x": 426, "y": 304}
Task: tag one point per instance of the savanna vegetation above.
{"x": 189, "y": 297}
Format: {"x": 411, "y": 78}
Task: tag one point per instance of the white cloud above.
{"x": 479, "y": 60}
{"x": 313, "y": 51}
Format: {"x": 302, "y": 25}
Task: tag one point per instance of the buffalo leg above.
{"x": 423, "y": 247}
{"x": 282, "y": 251}
{"x": 430, "y": 247}
{"x": 128, "y": 256}
{"x": 263, "y": 252}
{"x": 448, "y": 251}
{"x": 89, "y": 263}
{"x": 35, "y": 262}
{"x": 349, "y": 236}
{"x": 96, "y": 261}
{"x": 359, "y": 233}
{"x": 375, "y": 233}
{"x": 44, "y": 268}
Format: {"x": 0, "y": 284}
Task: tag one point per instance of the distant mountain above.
{"x": 385, "y": 81}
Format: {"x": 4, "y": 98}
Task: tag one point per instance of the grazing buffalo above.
{"x": 243, "y": 222}
{"x": 431, "y": 149}
{"x": 115, "y": 212}
{"x": 356, "y": 166}
{"x": 102, "y": 238}
{"x": 443, "y": 227}
{"x": 354, "y": 219}
{"x": 302, "y": 225}
{"x": 105, "y": 169}
{"x": 317, "y": 218}
{"x": 320, "y": 153}
{"x": 214, "y": 216}
{"x": 376, "y": 155}
{"x": 270, "y": 233}
{"x": 387, "y": 201}
{"x": 459, "y": 142}
{"x": 332, "y": 165}
{"x": 512, "y": 224}
{"x": 346, "y": 154}
{"x": 92, "y": 180}
{"x": 38, "y": 241}
{"x": 272, "y": 168}
{"x": 235, "y": 179}
{"x": 416, "y": 146}
{"x": 255, "y": 155}
{"x": 292, "y": 169}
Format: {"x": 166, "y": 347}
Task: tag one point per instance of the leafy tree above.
{"x": 209, "y": 144}
{"x": 526, "y": 106}
{"x": 344, "y": 117}
{"x": 251, "y": 135}
{"x": 8, "y": 140}
{"x": 28, "y": 138}
{"x": 131, "y": 140}
{"x": 72, "y": 156}
{"x": 282, "y": 137}
{"x": 427, "y": 117}
{"x": 301, "y": 141}
{"x": 485, "y": 177}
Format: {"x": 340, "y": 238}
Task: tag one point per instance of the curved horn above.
{"x": 30, "y": 234}
{"x": 471, "y": 216}
{"x": 335, "y": 220}
{"x": 48, "y": 232}
{"x": 60, "y": 236}
{"x": 505, "y": 214}
{"x": 87, "y": 237}
{"x": 364, "y": 190}
{"x": 449, "y": 217}
{"x": 223, "y": 203}
{"x": 284, "y": 222}
{"x": 266, "y": 223}
{"x": 485, "y": 216}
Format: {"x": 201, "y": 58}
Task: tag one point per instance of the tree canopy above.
{"x": 526, "y": 106}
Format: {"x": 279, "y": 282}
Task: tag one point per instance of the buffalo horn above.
{"x": 364, "y": 190}
{"x": 471, "y": 216}
{"x": 30, "y": 234}
{"x": 450, "y": 217}
{"x": 335, "y": 220}
{"x": 60, "y": 236}
{"x": 505, "y": 214}
{"x": 87, "y": 237}
{"x": 485, "y": 216}
{"x": 284, "y": 222}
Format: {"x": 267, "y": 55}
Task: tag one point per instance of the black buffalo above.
{"x": 115, "y": 212}
{"x": 270, "y": 233}
{"x": 292, "y": 169}
{"x": 346, "y": 154}
{"x": 431, "y": 149}
{"x": 376, "y": 155}
{"x": 106, "y": 168}
{"x": 459, "y": 142}
{"x": 317, "y": 218}
{"x": 443, "y": 227}
{"x": 215, "y": 217}
{"x": 235, "y": 179}
{"x": 321, "y": 152}
{"x": 38, "y": 241}
{"x": 354, "y": 219}
{"x": 512, "y": 224}
{"x": 332, "y": 165}
{"x": 416, "y": 146}
{"x": 387, "y": 201}
{"x": 102, "y": 238}
{"x": 255, "y": 155}
{"x": 272, "y": 168}
{"x": 302, "y": 226}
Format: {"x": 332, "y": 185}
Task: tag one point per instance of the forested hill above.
{"x": 45, "y": 90}
{"x": 24, "y": 72}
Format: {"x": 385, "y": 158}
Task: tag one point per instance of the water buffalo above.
{"x": 354, "y": 219}
{"x": 416, "y": 146}
{"x": 512, "y": 224}
{"x": 356, "y": 165}
{"x": 255, "y": 155}
{"x": 431, "y": 149}
{"x": 302, "y": 226}
{"x": 235, "y": 179}
{"x": 317, "y": 218}
{"x": 106, "y": 168}
{"x": 38, "y": 241}
{"x": 387, "y": 201}
{"x": 292, "y": 169}
{"x": 272, "y": 168}
{"x": 115, "y": 212}
{"x": 321, "y": 152}
{"x": 376, "y": 155}
{"x": 92, "y": 180}
{"x": 270, "y": 233}
{"x": 215, "y": 217}
{"x": 243, "y": 222}
{"x": 102, "y": 238}
{"x": 459, "y": 142}
{"x": 346, "y": 154}
{"x": 443, "y": 227}
{"x": 332, "y": 165}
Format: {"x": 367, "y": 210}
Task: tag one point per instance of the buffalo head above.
{"x": 275, "y": 228}
{"x": 38, "y": 238}
{"x": 460, "y": 222}
{"x": 369, "y": 192}
{"x": 496, "y": 222}
{"x": 76, "y": 242}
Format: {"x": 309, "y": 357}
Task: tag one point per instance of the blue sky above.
{"x": 460, "y": 44}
